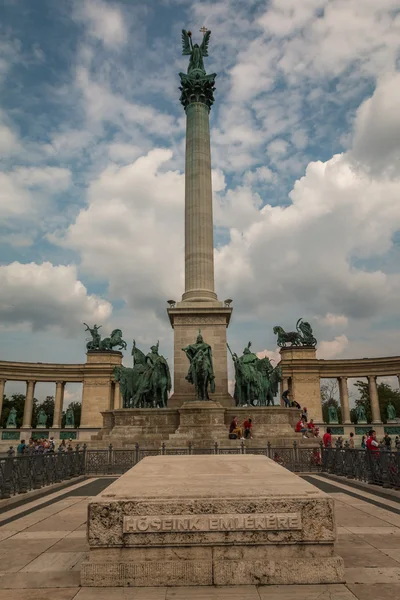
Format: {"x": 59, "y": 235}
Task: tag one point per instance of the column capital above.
{"x": 60, "y": 383}
{"x": 197, "y": 87}
{"x": 372, "y": 377}
{"x": 342, "y": 378}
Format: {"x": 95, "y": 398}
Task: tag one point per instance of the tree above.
{"x": 329, "y": 395}
{"x": 385, "y": 395}
{"x": 77, "y": 408}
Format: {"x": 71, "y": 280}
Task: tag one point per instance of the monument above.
{"x": 241, "y": 520}
{"x": 199, "y": 307}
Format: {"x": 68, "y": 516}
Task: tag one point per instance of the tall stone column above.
{"x": 398, "y": 379}
{"x": 27, "y": 418}
{"x": 200, "y": 307}
{"x": 344, "y": 400}
{"x": 373, "y": 396}
{"x": 199, "y": 241}
{"x": 58, "y": 404}
{"x": 2, "y": 386}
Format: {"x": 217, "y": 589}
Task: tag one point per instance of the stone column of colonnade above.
{"x": 344, "y": 400}
{"x": 373, "y": 396}
{"x": 58, "y": 404}
{"x": 199, "y": 243}
{"x": 28, "y": 408}
{"x": 2, "y": 386}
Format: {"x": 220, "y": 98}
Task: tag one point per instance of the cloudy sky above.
{"x": 305, "y": 137}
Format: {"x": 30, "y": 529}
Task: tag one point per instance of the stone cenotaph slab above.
{"x": 210, "y": 520}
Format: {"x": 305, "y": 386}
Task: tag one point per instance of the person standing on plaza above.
{"x": 327, "y": 438}
{"x": 351, "y": 440}
{"x": 372, "y": 443}
{"x": 21, "y": 448}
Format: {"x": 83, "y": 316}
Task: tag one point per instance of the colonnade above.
{"x": 115, "y": 401}
{"x": 28, "y": 407}
{"x": 288, "y": 384}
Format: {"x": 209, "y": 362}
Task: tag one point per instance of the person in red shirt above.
{"x": 327, "y": 438}
{"x": 247, "y": 426}
{"x": 372, "y": 443}
{"x": 301, "y": 426}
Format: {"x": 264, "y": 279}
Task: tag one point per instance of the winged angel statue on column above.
{"x": 196, "y": 85}
{"x": 195, "y": 51}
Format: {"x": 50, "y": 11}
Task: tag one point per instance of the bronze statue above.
{"x": 302, "y": 337}
{"x": 256, "y": 380}
{"x": 201, "y": 371}
{"x": 147, "y": 384}
{"x": 196, "y": 85}
{"x": 12, "y": 419}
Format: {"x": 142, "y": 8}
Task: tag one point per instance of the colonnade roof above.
{"x": 383, "y": 366}
{"x": 37, "y": 371}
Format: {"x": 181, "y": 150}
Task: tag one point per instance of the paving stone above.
{"x": 393, "y": 553}
{"x": 126, "y": 594}
{"x": 378, "y": 591}
{"x": 242, "y": 592}
{"x": 37, "y": 594}
{"x": 71, "y": 545}
{"x": 305, "y": 592}
{"x": 364, "y": 556}
{"x": 383, "y": 541}
{"x": 53, "y": 561}
{"x": 373, "y": 575}
{"x": 48, "y": 579}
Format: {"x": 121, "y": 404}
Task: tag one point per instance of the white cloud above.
{"x": 333, "y": 320}
{"x": 333, "y": 348}
{"x": 131, "y": 233}
{"x": 104, "y": 21}
{"x": 25, "y": 190}
{"x": 305, "y": 254}
{"x": 9, "y": 143}
{"x": 43, "y": 295}
{"x": 277, "y": 148}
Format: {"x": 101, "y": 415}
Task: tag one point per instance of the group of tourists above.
{"x": 368, "y": 442}
{"x": 240, "y": 432}
{"x": 41, "y": 446}
{"x": 307, "y": 427}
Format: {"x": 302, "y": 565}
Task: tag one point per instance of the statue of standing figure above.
{"x": 69, "y": 418}
{"x": 41, "y": 419}
{"x": 360, "y": 412}
{"x": 201, "y": 371}
{"x": 391, "y": 412}
{"x": 12, "y": 419}
{"x": 332, "y": 415}
{"x": 256, "y": 380}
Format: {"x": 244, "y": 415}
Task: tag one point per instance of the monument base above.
{"x": 210, "y": 520}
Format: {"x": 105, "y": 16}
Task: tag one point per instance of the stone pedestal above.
{"x": 210, "y": 520}
{"x": 148, "y": 426}
{"x": 97, "y": 392}
{"x": 300, "y": 367}
{"x": 213, "y": 319}
{"x": 200, "y": 422}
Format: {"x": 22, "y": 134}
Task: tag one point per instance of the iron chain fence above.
{"x": 19, "y": 474}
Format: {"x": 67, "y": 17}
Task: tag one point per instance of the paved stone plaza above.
{"x": 43, "y": 543}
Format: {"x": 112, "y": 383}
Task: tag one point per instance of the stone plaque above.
{"x": 228, "y": 522}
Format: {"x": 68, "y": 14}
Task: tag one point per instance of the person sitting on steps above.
{"x": 235, "y": 430}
